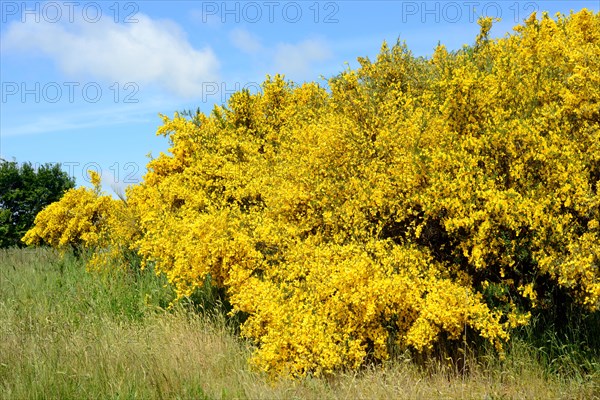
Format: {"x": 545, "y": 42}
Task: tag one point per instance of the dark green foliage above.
{"x": 25, "y": 191}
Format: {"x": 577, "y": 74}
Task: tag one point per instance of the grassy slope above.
{"x": 65, "y": 333}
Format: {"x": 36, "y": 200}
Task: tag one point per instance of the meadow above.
{"x": 71, "y": 334}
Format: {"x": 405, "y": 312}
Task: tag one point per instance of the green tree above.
{"x": 25, "y": 191}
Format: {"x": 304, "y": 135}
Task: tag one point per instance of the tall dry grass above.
{"x": 69, "y": 334}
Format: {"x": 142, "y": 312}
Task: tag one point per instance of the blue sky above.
{"x": 83, "y": 82}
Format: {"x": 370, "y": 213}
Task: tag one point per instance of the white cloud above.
{"x": 295, "y": 60}
{"x": 148, "y": 52}
{"x": 118, "y": 186}
{"x": 245, "y": 41}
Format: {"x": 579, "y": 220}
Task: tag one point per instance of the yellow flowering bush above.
{"x": 86, "y": 218}
{"x": 409, "y": 201}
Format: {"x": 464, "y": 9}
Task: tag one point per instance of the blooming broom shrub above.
{"x": 410, "y": 200}
{"x": 86, "y": 218}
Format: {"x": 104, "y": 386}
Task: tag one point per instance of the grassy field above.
{"x": 69, "y": 334}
